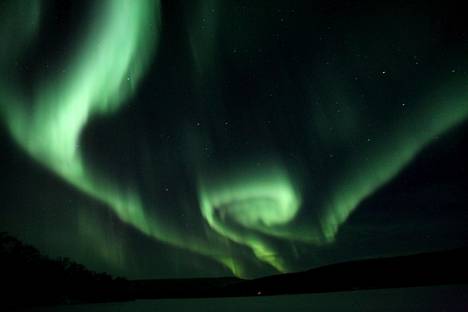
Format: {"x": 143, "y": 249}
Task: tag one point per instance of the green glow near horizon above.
{"x": 248, "y": 207}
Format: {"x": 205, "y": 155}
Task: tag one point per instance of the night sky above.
{"x": 193, "y": 138}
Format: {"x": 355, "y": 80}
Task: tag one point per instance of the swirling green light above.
{"x": 245, "y": 207}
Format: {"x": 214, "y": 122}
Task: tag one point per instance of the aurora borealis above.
{"x": 208, "y": 137}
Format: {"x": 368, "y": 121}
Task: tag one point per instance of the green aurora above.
{"x": 247, "y": 210}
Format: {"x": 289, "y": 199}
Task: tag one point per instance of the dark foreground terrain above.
{"x": 450, "y": 298}
{"x": 426, "y": 269}
{"x": 30, "y": 279}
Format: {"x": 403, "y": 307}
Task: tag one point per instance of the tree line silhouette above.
{"x": 30, "y": 278}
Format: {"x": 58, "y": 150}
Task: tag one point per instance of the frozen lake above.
{"x": 438, "y": 298}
